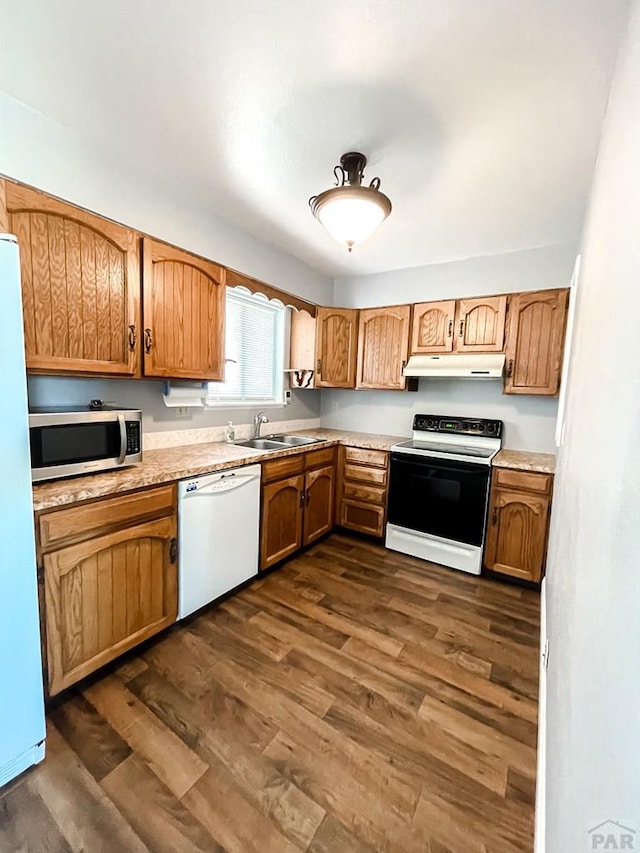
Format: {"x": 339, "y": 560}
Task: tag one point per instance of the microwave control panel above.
{"x": 133, "y": 437}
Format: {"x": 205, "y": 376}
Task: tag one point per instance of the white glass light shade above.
{"x": 351, "y": 214}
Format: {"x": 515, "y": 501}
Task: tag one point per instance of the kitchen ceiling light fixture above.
{"x": 349, "y": 211}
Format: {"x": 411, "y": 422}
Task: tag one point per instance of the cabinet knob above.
{"x": 494, "y": 517}
{"x": 133, "y": 337}
{"x": 173, "y": 550}
{"x": 510, "y": 367}
{"x": 450, "y": 332}
{"x": 302, "y": 497}
{"x": 148, "y": 341}
{"x": 319, "y": 368}
{"x": 461, "y": 332}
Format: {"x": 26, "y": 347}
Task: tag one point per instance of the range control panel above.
{"x": 457, "y": 425}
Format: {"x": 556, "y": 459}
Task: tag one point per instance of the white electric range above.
{"x": 439, "y": 490}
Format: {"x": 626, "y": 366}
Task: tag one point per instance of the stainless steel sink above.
{"x": 293, "y": 440}
{"x": 261, "y": 444}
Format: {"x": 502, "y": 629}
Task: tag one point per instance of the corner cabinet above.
{"x": 383, "y": 347}
{"x": 518, "y": 524}
{"x": 184, "y": 311}
{"x": 110, "y": 579}
{"x": 298, "y": 503}
{"x": 336, "y": 347}
{"x": 535, "y": 342}
{"x": 80, "y": 286}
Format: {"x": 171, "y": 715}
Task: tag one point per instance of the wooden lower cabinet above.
{"x": 282, "y": 508}
{"x": 298, "y": 503}
{"x": 104, "y": 594}
{"x": 362, "y": 490}
{"x": 319, "y": 506}
{"x": 518, "y": 524}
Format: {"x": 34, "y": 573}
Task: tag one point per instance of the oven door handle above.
{"x": 123, "y": 439}
{"x": 474, "y": 469}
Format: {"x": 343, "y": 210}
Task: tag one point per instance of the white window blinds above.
{"x": 254, "y": 350}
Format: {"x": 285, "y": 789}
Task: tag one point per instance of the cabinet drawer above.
{"x": 365, "y": 518}
{"x": 320, "y": 458}
{"x": 86, "y": 520}
{"x": 277, "y": 469}
{"x": 362, "y": 492}
{"x": 530, "y": 481}
{"x": 367, "y": 457}
{"x": 365, "y": 475}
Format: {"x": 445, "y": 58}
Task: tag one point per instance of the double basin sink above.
{"x": 277, "y": 442}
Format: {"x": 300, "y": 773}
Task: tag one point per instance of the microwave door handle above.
{"x": 123, "y": 439}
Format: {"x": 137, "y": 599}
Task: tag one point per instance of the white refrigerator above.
{"x": 22, "y": 727}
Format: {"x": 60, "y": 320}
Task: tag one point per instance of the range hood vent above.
{"x": 486, "y": 366}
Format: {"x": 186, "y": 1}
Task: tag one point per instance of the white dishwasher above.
{"x": 218, "y": 532}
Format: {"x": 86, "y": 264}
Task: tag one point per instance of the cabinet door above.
{"x": 302, "y": 350}
{"x": 80, "y": 286}
{"x": 282, "y": 507}
{"x": 479, "y": 325}
{"x": 184, "y": 308}
{"x": 336, "y": 347}
{"x": 383, "y": 346}
{"x": 106, "y": 595}
{"x": 517, "y": 534}
{"x": 319, "y": 510}
{"x": 535, "y": 342}
{"x": 432, "y": 327}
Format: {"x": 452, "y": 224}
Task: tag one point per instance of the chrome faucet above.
{"x": 259, "y": 419}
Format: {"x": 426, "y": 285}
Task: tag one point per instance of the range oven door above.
{"x": 439, "y": 497}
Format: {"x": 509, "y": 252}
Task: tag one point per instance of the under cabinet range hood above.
{"x": 483, "y": 366}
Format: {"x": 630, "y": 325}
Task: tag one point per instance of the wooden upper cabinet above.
{"x": 383, "y": 347}
{"x": 184, "y": 309}
{"x": 302, "y": 349}
{"x": 479, "y": 324}
{"x": 336, "y": 347}
{"x": 535, "y": 342}
{"x": 432, "y": 328}
{"x": 80, "y": 286}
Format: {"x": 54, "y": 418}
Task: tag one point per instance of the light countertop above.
{"x": 524, "y": 460}
{"x": 177, "y": 463}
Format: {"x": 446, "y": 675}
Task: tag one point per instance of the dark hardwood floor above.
{"x": 353, "y": 700}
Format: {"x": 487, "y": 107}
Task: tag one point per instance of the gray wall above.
{"x": 529, "y": 421}
{"x": 147, "y": 395}
{"x": 593, "y": 575}
{"x": 531, "y": 269}
{"x": 39, "y": 151}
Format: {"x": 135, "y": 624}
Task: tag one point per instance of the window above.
{"x": 254, "y": 351}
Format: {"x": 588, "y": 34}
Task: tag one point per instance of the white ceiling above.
{"x": 481, "y": 117}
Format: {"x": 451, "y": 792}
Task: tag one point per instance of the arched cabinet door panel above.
{"x": 106, "y": 595}
{"x": 383, "y": 344}
{"x": 282, "y": 508}
{"x": 336, "y": 347}
{"x": 319, "y": 511}
{"x": 517, "y": 534}
{"x": 479, "y": 325}
{"x": 432, "y": 327}
{"x": 184, "y": 309}
{"x": 535, "y": 342}
{"x": 80, "y": 279}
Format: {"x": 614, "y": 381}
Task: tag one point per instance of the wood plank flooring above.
{"x": 352, "y": 700}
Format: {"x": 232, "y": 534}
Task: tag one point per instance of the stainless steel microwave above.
{"x": 76, "y": 440}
